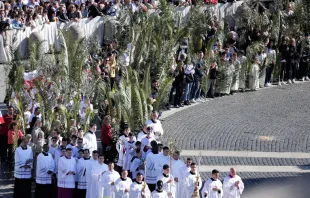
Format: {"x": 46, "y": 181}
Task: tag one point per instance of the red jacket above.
{"x": 4, "y": 128}
{"x": 106, "y": 134}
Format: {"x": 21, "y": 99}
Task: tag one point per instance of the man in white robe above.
{"x": 139, "y": 189}
{"x": 159, "y": 192}
{"x": 90, "y": 138}
{"x": 66, "y": 175}
{"x": 120, "y": 146}
{"x": 164, "y": 157}
{"x": 108, "y": 180}
{"x": 213, "y": 187}
{"x": 44, "y": 171}
{"x": 192, "y": 183}
{"x": 143, "y": 132}
{"x": 122, "y": 185}
{"x": 91, "y": 187}
{"x": 156, "y": 125}
{"x": 177, "y": 168}
{"x": 146, "y": 142}
{"x": 83, "y": 167}
{"x": 137, "y": 165}
{"x": 233, "y": 185}
{"x": 130, "y": 147}
{"x": 97, "y": 170}
{"x": 22, "y": 173}
{"x": 168, "y": 181}
{"x": 153, "y": 168}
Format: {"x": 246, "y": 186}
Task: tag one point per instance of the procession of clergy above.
{"x": 148, "y": 170}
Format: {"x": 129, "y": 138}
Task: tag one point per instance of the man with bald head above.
{"x": 233, "y": 185}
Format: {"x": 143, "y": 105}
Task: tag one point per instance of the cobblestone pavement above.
{"x": 269, "y": 120}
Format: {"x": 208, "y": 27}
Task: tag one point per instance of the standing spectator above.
{"x": 291, "y": 63}
{"x": 106, "y": 135}
{"x": 61, "y": 15}
{"x": 304, "y": 64}
{"x": 22, "y": 173}
{"x": 199, "y": 73}
{"x": 34, "y": 117}
{"x": 73, "y": 13}
{"x": 212, "y": 72}
{"x": 178, "y": 84}
{"x": 189, "y": 79}
{"x": 270, "y": 62}
{"x": 4, "y": 128}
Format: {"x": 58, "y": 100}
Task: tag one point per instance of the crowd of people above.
{"x": 73, "y": 167}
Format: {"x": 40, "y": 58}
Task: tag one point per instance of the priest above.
{"x": 213, "y": 187}
{"x": 66, "y": 175}
{"x": 156, "y": 125}
{"x": 122, "y": 185}
{"x": 83, "y": 167}
{"x": 90, "y": 138}
{"x": 153, "y": 168}
{"x": 192, "y": 183}
{"x": 233, "y": 185}
{"x": 177, "y": 168}
{"x": 159, "y": 192}
{"x": 44, "y": 171}
{"x": 97, "y": 170}
{"x": 130, "y": 147}
{"x": 168, "y": 181}
{"x": 139, "y": 189}
{"x": 22, "y": 173}
{"x": 91, "y": 187}
{"x": 108, "y": 180}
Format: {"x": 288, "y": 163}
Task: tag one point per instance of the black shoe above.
{"x": 189, "y": 103}
{"x": 181, "y": 105}
{"x": 186, "y": 103}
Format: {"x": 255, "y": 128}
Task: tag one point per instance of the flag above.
{"x": 1, "y": 118}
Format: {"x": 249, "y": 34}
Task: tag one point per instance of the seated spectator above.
{"x": 83, "y": 10}
{"x": 61, "y": 15}
{"x": 17, "y": 23}
{"x": 73, "y": 14}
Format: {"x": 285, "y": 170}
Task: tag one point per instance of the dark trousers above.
{"x": 291, "y": 68}
{"x": 152, "y": 187}
{"x": 178, "y": 94}
{"x": 303, "y": 69}
{"x": 269, "y": 71}
{"x": 3, "y": 148}
{"x": 22, "y": 188}
{"x": 171, "y": 94}
{"x": 211, "y": 88}
{"x": 283, "y": 71}
{"x": 43, "y": 190}
{"x": 112, "y": 81}
{"x": 81, "y": 193}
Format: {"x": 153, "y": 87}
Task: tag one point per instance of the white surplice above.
{"x": 83, "y": 167}
{"x": 153, "y": 168}
{"x": 163, "y": 160}
{"x": 90, "y": 141}
{"x": 91, "y": 183}
{"x": 156, "y": 126}
{"x": 229, "y": 188}
{"x": 129, "y": 146}
{"x": 106, "y": 179}
{"x": 190, "y": 184}
{"x": 135, "y": 164}
{"x": 66, "y": 165}
{"x": 177, "y": 166}
{"x": 23, "y": 157}
{"x": 209, "y": 185}
{"x": 146, "y": 142}
{"x": 121, "y": 185}
{"x": 120, "y": 147}
{"x": 45, "y": 163}
{"x": 168, "y": 187}
{"x": 136, "y": 190}
{"x": 158, "y": 194}
{"x": 96, "y": 171}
